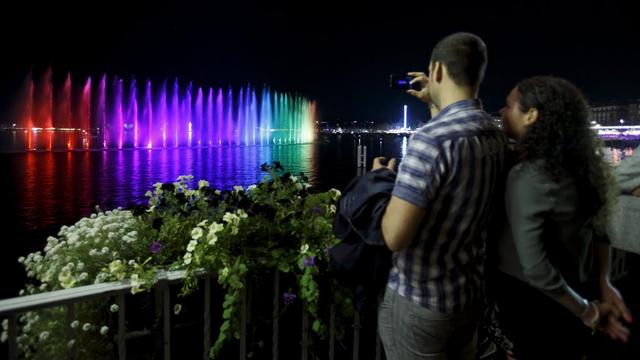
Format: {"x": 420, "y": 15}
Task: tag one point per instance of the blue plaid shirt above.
{"x": 451, "y": 170}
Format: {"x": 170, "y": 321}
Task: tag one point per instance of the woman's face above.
{"x": 514, "y": 122}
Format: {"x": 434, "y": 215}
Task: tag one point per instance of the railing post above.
{"x": 305, "y": 334}
{"x": 356, "y": 335}
{"x": 163, "y": 285}
{"x": 13, "y": 334}
{"x": 159, "y": 308}
{"x": 71, "y": 316}
{"x": 122, "y": 329}
{"x": 276, "y": 315}
{"x": 207, "y": 318}
{"x": 243, "y": 322}
{"x": 332, "y": 333}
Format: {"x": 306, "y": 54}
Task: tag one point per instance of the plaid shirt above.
{"x": 450, "y": 169}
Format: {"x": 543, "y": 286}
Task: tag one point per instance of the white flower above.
{"x": 43, "y": 286}
{"x": 215, "y": 227}
{"x": 80, "y": 266}
{"x": 115, "y": 266}
{"x": 66, "y": 279}
{"x": 114, "y": 308}
{"x": 231, "y": 218}
{"x": 21, "y": 259}
{"x": 241, "y": 214}
{"x": 187, "y": 258}
{"x": 71, "y": 343}
{"x": 86, "y": 327}
{"x": 105, "y": 249}
{"x": 251, "y": 187}
{"x": 75, "y": 324}
{"x": 136, "y": 284}
{"x": 104, "y": 330}
{"x": 224, "y": 272}
{"x": 148, "y": 194}
{"x": 93, "y": 252}
{"x": 212, "y": 238}
{"x": 203, "y": 183}
{"x": 83, "y": 276}
{"x": 4, "y": 337}
{"x": 202, "y": 223}
{"x": 238, "y": 188}
{"x": 332, "y": 209}
{"x": 293, "y": 178}
{"x": 335, "y": 194}
{"x": 177, "y": 308}
{"x": 43, "y": 335}
{"x": 192, "y": 245}
{"x": 132, "y": 262}
{"x": 304, "y": 248}
{"x": 196, "y": 233}
{"x": 217, "y": 192}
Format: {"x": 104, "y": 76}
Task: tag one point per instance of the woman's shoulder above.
{"x": 528, "y": 169}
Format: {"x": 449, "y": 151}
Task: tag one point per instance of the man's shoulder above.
{"x": 462, "y": 123}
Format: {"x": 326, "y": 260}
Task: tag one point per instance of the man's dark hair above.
{"x": 465, "y": 57}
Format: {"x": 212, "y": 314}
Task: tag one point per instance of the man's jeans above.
{"x": 410, "y": 331}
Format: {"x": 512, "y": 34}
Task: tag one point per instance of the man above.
{"x": 434, "y": 222}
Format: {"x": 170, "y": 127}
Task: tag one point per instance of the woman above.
{"x": 557, "y": 202}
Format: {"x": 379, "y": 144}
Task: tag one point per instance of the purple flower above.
{"x": 156, "y": 246}
{"x": 310, "y": 261}
{"x": 289, "y": 298}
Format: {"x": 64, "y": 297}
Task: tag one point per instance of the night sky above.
{"x": 339, "y": 55}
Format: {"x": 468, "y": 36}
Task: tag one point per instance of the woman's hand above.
{"x": 610, "y": 324}
{"x": 609, "y": 294}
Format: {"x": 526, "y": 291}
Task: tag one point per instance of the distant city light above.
{"x": 405, "y": 117}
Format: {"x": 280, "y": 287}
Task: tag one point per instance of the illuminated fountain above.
{"x": 116, "y": 114}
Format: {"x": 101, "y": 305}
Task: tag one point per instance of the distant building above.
{"x": 617, "y": 113}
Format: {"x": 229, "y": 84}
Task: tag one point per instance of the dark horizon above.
{"x": 339, "y": 56}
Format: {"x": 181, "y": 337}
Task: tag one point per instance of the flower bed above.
{"x": 278, "y": 224}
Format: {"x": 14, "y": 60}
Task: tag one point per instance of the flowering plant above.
{"x": 277, "y": 225}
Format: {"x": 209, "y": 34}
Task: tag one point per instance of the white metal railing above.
{"x": 11, "y": 308}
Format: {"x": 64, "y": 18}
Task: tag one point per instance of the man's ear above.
{"x": 438, "y": 72}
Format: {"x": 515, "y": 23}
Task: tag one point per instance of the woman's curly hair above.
{"x": 562, "y": 137}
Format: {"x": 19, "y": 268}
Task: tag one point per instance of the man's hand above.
{"x": 377, "y": 164}
{"x": 423, "y": 80}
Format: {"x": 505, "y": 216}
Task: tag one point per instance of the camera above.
{"x": 403, "y": 82}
